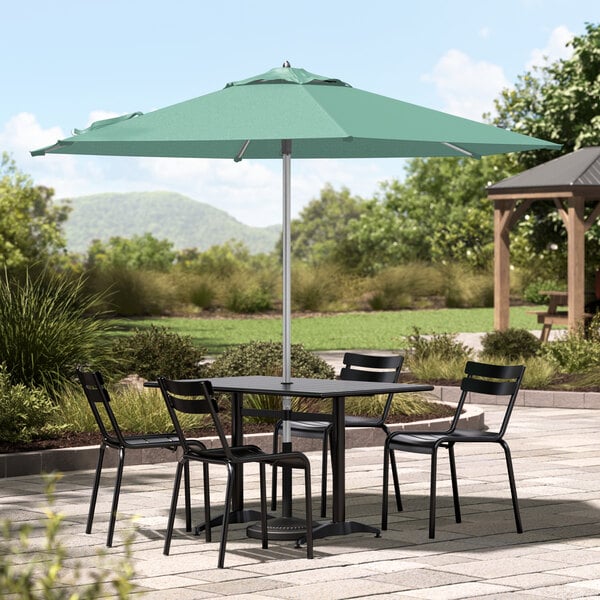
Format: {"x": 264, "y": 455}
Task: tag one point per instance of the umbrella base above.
{"x": 292, "y": 528}
{"x": 281, "y": 529}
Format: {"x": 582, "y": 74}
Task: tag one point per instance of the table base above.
{"x": 291, "y": 528}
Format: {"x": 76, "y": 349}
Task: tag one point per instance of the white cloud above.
{"x": 555, "y": 49}
{"x": 467, "y": 87}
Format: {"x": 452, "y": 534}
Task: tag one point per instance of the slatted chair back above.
{"x": 491, "y": 380}
{"x": 193, "y": 397}
{"x": 365, "y": 367}
{"x": 99, "y": 400}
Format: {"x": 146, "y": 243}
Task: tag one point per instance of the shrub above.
{"x": 465, "y": 289}
{"x": 438, "y": 356}
{"x": 202, "y": 295}
{"x": 49, "y": 573}
{"x": 132, "y": 292}
{"x": 157, "y": 351}
{"x": 25, "y": 413}
{"x": 266, "y": 358}
{"x": 48, "y": 325}
{"x": 248, "y": 300}
{"x": 532, "y": 294}
{"x": 439, "y": 345}
{"x": 576, "y": 353}
{"x": 512, "y": 344}
{"x": 401, "y": 287}
{"x": 314, "y": 288}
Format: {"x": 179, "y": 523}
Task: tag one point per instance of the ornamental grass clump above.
{"x": 436, "y": 356}
{"x": 49, "y": 325}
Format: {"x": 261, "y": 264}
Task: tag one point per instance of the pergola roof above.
{"x": 577, "y": 174}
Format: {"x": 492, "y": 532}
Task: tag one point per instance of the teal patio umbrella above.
{"x": 290, "y": 112}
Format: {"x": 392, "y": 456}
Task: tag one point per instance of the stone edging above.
{"x": 86, "y": 457}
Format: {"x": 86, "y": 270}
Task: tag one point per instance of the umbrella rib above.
{"x": 461, "y": 150}
{"x": 242, "y": 151}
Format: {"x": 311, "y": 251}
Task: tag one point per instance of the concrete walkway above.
{"x": 557, "y": 462}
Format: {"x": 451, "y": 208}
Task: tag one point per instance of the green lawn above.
{"x": 374, "y": 330}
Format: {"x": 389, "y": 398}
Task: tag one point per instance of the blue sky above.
{"x": 69, "y": 62}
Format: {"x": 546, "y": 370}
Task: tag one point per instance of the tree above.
{"x": 30, "y": 224}
{"x": 323, "y": 224}
{"x": 138, "y": 252}
{"x": 558, "y": 102}
{"x": 439, "y": 213}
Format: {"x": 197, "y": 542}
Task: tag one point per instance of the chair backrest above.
{"x": 97, "y": 395}
{"x": 367, "y": 367}
{"x": 192, "y": 397}
{"x": 492, "y": 380}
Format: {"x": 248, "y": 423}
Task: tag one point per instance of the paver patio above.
{"x": 556, "y": 453}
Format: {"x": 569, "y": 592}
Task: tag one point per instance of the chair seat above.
{"x": 151, "y": 441}
{"x": 426, "y": 441}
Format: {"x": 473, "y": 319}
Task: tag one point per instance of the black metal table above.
{"x": 335, "y": 389}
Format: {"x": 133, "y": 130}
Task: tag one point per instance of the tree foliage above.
{"x": 319, "y": 234}
{"x": 138, "y": 252}
{"x": 558, "y": 101}
{"x": 440, "y": 213}
{"x": 30, "y": 224}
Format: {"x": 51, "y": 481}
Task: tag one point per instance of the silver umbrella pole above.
{"x": 286, "y": 151}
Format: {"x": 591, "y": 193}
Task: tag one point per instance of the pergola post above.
{"x": 502, "y": 212}
{"x": 576, "y": 261}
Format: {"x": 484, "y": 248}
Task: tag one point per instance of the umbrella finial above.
{"x": 286, "y": 64}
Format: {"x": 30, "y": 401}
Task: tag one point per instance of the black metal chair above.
{"x": 112, "y": 437}
{"x": 196, "y": 397}
{"x": 357, "y": 367}
{"x": 481, "y": 378}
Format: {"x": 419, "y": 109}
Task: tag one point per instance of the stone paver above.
{"x": 557, "y": 464}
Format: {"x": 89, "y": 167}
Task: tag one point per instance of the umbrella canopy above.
{"x": 325, "y": 118}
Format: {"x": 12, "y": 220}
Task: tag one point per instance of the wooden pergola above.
{"x": 570, "y": 181}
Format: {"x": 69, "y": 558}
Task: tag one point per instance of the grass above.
{"x": 384, "y": 330}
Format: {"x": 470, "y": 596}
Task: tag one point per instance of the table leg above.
{"x": 339, "y": 525}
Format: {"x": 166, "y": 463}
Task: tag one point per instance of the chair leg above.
{"x": 513, "y": 487}
{"x": 384, "y": 502}
{"x": 94, "y": 497}
{"x": 115, "y": 502}
{"x": 457, "y": 515}
{"x": 432, "y": 492}
{"x": 309, "y": 519}
{"x": 274, "y": 479}
{"x": 263, "y": 506}
{"x": 396, "y": 482}
{"x": 225, "y": 530}
{"x": 173, "y": 509}
{"x": 188, "y": 500}
{"x": 324, "y": 476}
{"x": 207, "y": 526}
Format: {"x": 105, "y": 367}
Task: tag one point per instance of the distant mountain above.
{"x": 166, "y": 215}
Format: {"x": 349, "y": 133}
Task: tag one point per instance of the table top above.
{"x": 311, "y": 388}
{"x": 560, "y": 295}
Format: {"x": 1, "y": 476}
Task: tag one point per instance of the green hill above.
{"x": 166, "y": 215}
